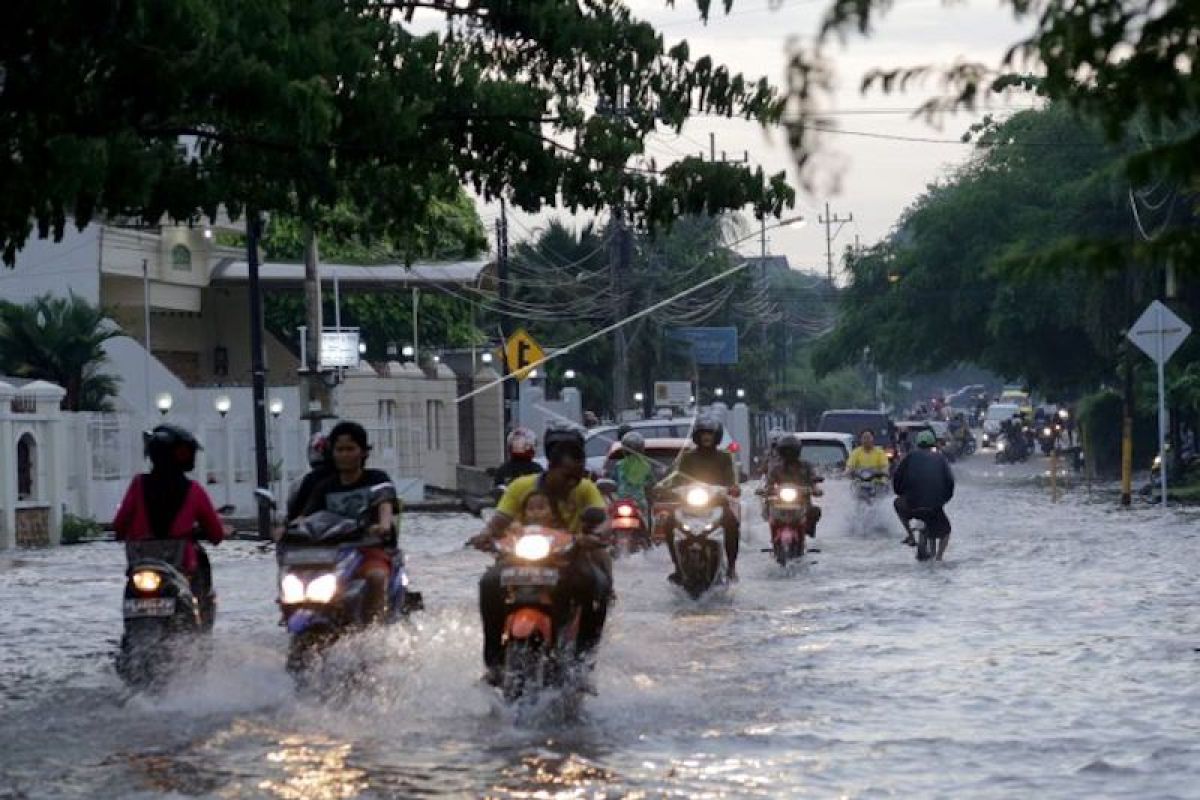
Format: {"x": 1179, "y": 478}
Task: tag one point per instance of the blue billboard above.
{"x": 709, "y": 346}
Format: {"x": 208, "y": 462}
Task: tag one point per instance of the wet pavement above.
{"x": 1054, "y": 654}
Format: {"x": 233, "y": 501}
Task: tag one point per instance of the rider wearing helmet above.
{"x": 794, "y": 470}
{"x": 165, "y": 504}
{"x": 706, "y": 463}
{"x": 587, "y": 581}
{"x": 635, "y": 472}
{"x": 320, "y": 463}
{"x": 924, "y": 484}
{"x": 522, "y": 446}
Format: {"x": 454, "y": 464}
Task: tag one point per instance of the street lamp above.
{"x": 362, "y": 348}
{"x": 408, "y": 351}
{"x": 719, "y": 392}
{"x": 533, "y": 373}
{"x": 223, "y": 404}
{"x": 164, "y": 403}
{"x": 486, "y": 358}
{"x": 569, "y": 375}
{"x": 638, "y": 397}
{"x": 276, "y": 407}
{"x": 741, "y": 394}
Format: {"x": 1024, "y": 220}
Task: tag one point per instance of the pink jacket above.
{"x": 132, "y": 522}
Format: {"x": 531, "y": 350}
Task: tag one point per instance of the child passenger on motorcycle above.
{"x": 792, "y": 469}
{"x": 348, "y": 493}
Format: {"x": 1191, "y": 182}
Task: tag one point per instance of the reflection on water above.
{"x": 315, "y": 768}
{"x": 550, "y": 776}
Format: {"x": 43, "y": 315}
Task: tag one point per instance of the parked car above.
{"x": 855, "y": 421}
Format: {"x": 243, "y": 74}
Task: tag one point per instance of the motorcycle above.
{"x": 1011, "y": 449}
{"x": 698, "y": 535}
{"x": 787, "y": 515}
{"x": 539, "y": 646}
{"x": 926, "y": 541}
{"x": 868, "y": 484}
{"x": 163, "y": 610}
{"x": 1050, "y": 437}
{"x": 319, "y": 594}
{"x": 627, "y": 524}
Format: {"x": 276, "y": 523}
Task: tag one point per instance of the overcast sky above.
{"x": 878, "y": 177}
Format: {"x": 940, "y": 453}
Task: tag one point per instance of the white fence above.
{"x": 105, "y": 452}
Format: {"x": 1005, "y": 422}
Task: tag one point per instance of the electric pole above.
{"x": 619, "y": 267}
{"x": 258, "y": 370}
{"x": 312, "y": 333}
{"x": 829, "y": 220}
{"x": 502, "y": 277}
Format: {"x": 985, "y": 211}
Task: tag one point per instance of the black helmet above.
{"x": 707, "y": 424}
{"x": 171, "y": 445}
{"x": 788, "y": 446}
{"x": 560, "y": 436}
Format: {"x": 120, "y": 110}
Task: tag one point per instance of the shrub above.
{"x": 1100, "y": 416}
{"x": 80, "y": 529}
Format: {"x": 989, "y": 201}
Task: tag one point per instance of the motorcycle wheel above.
{"x": 144, "y": 658}
{"x": 304, "y": 653}
{"x": 524, "y": 669}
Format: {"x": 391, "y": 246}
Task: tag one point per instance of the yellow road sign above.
{"x": 520, "y": 352}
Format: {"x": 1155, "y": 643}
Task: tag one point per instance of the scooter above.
{"x": 698, "y": 535}
{"x": 868, "y": 484}
{"x": 163, "y": 610}
{"x": 539, "y": 648}
{"x": 787, "y": 514}
{"x": 629, "y": 532}
{"x": 320, "y": 596}
{"x": 1011, "y": 449}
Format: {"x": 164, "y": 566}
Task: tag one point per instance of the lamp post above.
{"x": 276, "y": 409}
{"x": 164, "y": 402}
{"x": 719, "y": 392}
{"x": 222, "y": 404}
{"x": 569, "y": 375}
{"x": 741, "y": 394}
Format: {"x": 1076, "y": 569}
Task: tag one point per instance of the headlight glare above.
{"x": 291, "y": 589}
{"x": 698, "y": 497}
{"x": 145, "y": 580}
{"x": 322, "y": 589}
{"x": 788, "y": 494}
{"x": 533, "y": 547}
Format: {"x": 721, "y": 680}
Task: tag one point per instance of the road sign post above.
{"x": 1159, "y": 332}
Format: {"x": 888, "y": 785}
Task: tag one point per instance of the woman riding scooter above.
{"x": 165, "y": 504}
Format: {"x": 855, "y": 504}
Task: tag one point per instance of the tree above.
{"x": 984, "y": 268}
{"x": 295, "y": 106}
{"x": 1127, "y": 65}
{"x": 60, "y": 340}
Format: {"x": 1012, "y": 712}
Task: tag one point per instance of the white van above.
{"x": 997, "y": 413}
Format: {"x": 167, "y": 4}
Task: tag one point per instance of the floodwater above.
{"x": 1054, "y": 654}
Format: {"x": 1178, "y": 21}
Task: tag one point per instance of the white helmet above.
{"x": 522, "y": 443}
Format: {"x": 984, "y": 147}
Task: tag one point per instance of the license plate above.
{"x": 149, "y": 606}
{"x": 528, "y": 576}
{"x": 626, "y": 524}
{"x": 305, "y": 556}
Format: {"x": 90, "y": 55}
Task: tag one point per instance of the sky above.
{"x": 875, "y": 178}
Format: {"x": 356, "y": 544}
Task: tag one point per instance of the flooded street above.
{"x": 1054, "y": 654}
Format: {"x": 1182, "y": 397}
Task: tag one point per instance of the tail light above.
{"x": 734, "y": 447}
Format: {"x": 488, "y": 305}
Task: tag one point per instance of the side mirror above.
{"x": 607, "y": 486}
{"x": 383, "y": 493}
{"x": 593, "y": 517}
{"x": 265, "y": 497}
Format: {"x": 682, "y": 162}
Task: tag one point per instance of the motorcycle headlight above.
{"x": 698, "y": 497}
{"x": 1047, "y": 432}
{"x": 1001, "y": 446}
{"x": 788, "y": 494}
{"x": 291, "y": 589}
{"x": 145, "y": 580}
{"x": 322, "y": 589}
{"x": 533, "y": 547}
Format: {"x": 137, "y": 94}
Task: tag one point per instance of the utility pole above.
{"x": 258, "y": 370}
{"x": 619, "y": 268}
{"x": 312, "y": 333}
{"x": 829, "y": 220}
{"x": 502, "y": 278}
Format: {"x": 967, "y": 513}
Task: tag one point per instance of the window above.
{"x": 387, "y": 411}
{"x": 181, "y": 258}
{"x": 26, "y": 466}
{"x": 433, "y": 424}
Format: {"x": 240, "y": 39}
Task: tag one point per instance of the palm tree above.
{"x": 59, "y": 340}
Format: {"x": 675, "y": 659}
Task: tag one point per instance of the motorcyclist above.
{"x": 347, "y": 492}
{"x": 165, "y": 504}
{"x": 635, "y": 472}
{"x": 795, "y": 470}
{"x": 705, "y": 463}
{"x": 924, "y": 484}
{"x": 320, "y": 462}
{"x": 587, "y": 581}
{"x": 522, "y": 446}
{"x": 867, "y": 455}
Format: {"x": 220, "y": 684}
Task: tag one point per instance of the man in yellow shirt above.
{"x": 579, "y": 505}
{"x": 867, "y": 455}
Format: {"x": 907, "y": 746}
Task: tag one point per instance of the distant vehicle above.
{"x": 907, "y": 432}
{"x": 664, "y": 452}
{"x": 1019, "y": 398}
{"x": 996, "y": 414}
{"x": 855, "y": 421}
{"x": 827, "y": 452}
{"x": 598, "y": 441}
